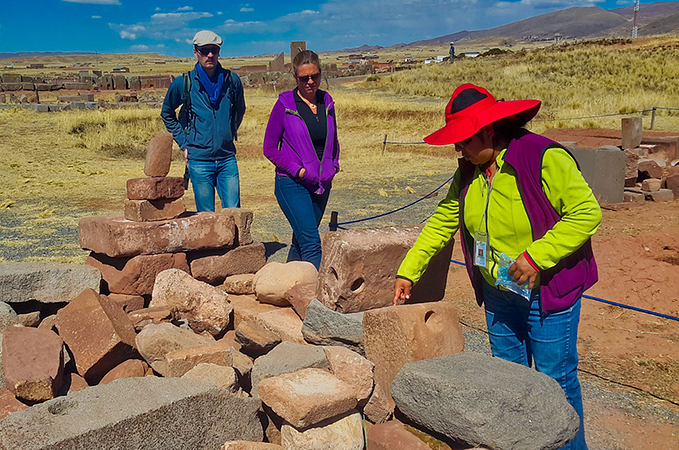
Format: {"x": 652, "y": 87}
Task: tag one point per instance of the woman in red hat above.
{"x": 515, "y": 196}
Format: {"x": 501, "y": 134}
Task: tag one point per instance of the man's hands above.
{"x": 521, "y": 271}
{"x": 186, "y": 157}
{"x": 401, "y": 290}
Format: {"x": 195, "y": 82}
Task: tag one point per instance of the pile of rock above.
{"x": 650, "y": 179}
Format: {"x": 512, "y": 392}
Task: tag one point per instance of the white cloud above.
{"x": 179, "y": 17}
{"x": 246, "y": 9}
{"x": 185, "y": 8}
{"x": 219, "y": 13}
{"x": 157, "y": 8}
{"x": 139, "y": 48}
{"x": 96, "y": 17}
{"x": 95, "y": 2}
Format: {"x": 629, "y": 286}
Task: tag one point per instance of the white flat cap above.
{"x": 206, "y": 37}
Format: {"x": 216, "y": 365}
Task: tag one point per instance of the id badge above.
{"x": 480, "y": 249}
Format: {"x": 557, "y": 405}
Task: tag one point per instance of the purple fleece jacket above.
{"x": 288, "y": 145}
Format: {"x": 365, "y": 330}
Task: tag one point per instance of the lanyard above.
{"x": 484, "y": 218}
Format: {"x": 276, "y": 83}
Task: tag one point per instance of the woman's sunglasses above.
{"x": 462, "y": 144}
{"x": 207, "y": 50}
{"x": 305, "y": 78}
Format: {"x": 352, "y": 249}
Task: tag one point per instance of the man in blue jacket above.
{"x": 212, "y": 110}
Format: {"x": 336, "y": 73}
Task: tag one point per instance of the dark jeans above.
{"x": 304, "y": 211}
{"x": 208, "y": 175}
{"x": 518, "y": 332}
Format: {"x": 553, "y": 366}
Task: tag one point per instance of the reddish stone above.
{"x": 649, "y": 169}
{"x": 247, "y": 308}
{"x": 73, "y": 383}
{"x": 243, "y": 219}
{"x": 127, "y": 302}
{"x": 9, "y": 403}
{"x": 131, "y": 368}
{"x": 672, "y": 183}
{"x": 392, "y": 435}
{"x": 181, "y": 361}
{"x": 380, "y": 406}
{"x": 215, "y": 268}
{"x": 34, "y": 363}
{"x": 145, "y": 316}
{"x": 153, "y": 210}
{"x": 99, "y": 334}
{"x": 239, "y": 284}
{"x": 651, "y": 184}
{"x": 115, "y": 236}
{"x": 155, "y": 188}
{"x": 137, "y": 275}
{"x": 300, "y": 296}
{"x": 159, "y": 155}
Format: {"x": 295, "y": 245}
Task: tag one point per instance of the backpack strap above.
{"x": 185, "y": 112}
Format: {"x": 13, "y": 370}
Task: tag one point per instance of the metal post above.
{"x": 384, "y": 144}
{"x": 333, "y": 221}
{"x": 652, "y": 117}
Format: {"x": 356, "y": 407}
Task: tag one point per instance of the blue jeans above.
{"x": 208, "y": 175}
{"x": 304, "y": 210}
{"x": 518, "y": 332}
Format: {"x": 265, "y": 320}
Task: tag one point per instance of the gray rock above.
{"x": 8, "y": 317}
{"x": 287, "y": 357}
{"x": 45, "y": 282}
{"x": 485, "y": 401}
{"x": 323, "y": 326}
{"x": 149, "y": 413}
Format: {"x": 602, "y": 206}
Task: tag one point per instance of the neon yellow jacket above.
{"x": 509, "y": 230}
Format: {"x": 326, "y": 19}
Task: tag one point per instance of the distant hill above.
{"x": 39, "y": 54}
{"x": 362, "y": 49}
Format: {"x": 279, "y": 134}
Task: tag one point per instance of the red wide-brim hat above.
{"x": 472, "y": 108}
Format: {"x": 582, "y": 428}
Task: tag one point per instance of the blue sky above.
{"x": 259, "y": 26}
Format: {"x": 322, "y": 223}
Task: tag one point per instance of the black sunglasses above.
{"x": 463, "y": 144}
{"x": 207, "y": 50}
{"x": 305, "y": 78}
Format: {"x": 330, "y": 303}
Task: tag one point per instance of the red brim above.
{"x": 522, "y": 111}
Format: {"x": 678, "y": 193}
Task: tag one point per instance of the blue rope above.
{"x": 622, "y": 305}
{"x": 398, "y": 209}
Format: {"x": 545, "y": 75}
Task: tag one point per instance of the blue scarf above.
{"x": 213, "y": 88}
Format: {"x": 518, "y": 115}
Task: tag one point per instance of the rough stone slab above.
{"x": 181, "y": 361}
{"x": 206, "y": 307}
{"x": 631, "y": 167}
{"x": 155, "y": 188}
{"x": 157, "y": 340}
{"x": 129, "y": 303}
{"x": 300, "y": 296}
{"x": 9, "y": 403}
{"x": 255, "y": 340}
{"x": 73, "y": 383}
{"x": 239, "y": 284}
{"x": 485, "y": 401}
{"x": 649, "y": 168}
{"x": 215, "y": 268}
{"x": 199, "y": 415}
{"x": 140, "y": 318}
{"x": 136, "y": 275}
{"x": 396, "y": 335}
{"x": 153, "y": 210}
{"x": 287, "y": 357}
{"x": 651, "y": 184}
{"x": 353, "y": 369}
{"x": 30, "y": 319}
{"x": 358, "y": 268}
{"x": 99, "y": 334}
{"x": 246, "y": 308}
{"x": 33, "y": 363}
{"x": 662, "y": 195}
{"x": 307, "y": 397}
{"x": 274, "y": 281}
{"x": 345, "y": 433}
{"x": 392, "y": 435}
{"x": 673, "y": 184}
{"x": 631, "y": 132}
{"x": 127, "y": 369}
{"x": 324, "y": 326}
{"x": 633, "y": 197}
{"x": 243, "y": 219}
{"x": 115, "y": 236}
{"x": 159, "y": 155}
{"x": 220, "y": 376}
{"x": 247, "y": 445}
{"x": 8, "y": 317}
{"x": 604, "y": 171}
{"x": 243, "y": 365}
{"x": 380, "y": 406}
{"x": 45, "y": 282}
{"x": 283, "y": 322}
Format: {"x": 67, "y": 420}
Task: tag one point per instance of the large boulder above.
{"x": 215, "y": 267}
{"x": 273, "y": 281}
{"x": 324, "y": 326}
{"x": 353, "y": 369}
{"x": 150, "y": 413}
{"x": 206, "y": 307}
{"x": 485, "y": 401}
{"x": 343, "y": 433}
{"x": 156, "y": 341}
{"x": 45, "y": 282}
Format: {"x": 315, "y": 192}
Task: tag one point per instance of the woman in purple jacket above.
{"x": 301, "y": 141}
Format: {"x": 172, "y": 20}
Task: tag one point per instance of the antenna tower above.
{"x": 635, "y": 28}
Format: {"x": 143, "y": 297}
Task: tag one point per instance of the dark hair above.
{"x": 305, "y": 57}
{"x": 509, "y": 128}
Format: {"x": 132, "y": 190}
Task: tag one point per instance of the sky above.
{"x": 259, "y": 26}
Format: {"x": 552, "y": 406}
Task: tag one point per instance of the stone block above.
{"x": 358, "y": 268}
{"x": 134, "y": 83}
{"x": 344, "y": 433}
{"x": 651, "y": 184}
{"x": 633, "y": 197}
{"x": 300, "y": 296}
{"x": 11, "y": 86}
{"x": 44, "y": 86}
{"x": 218, "y": 375}
{"x": 11, "y": 78}
{"x": 672, "y": 183}
{"x": 287, "y": 357}
{"x": 98, "y": 333}
{"x": 153, "y": 210}
{"x": 663, "y": 195}
{"x": 159, "y": 155}
{"x": 239, "y": 284}
{"x": 127, "y": 369}
{"x": 215, "y": 267}
{"x": 140, "y": 318}
{"x": 324, "y": 326}
{"x": 181, "y": 361}
{"x": 129, "y": 303}
{"x": 115, "y": 236}
{"x": 393, "y": 435}
{"x": 283, "y": 322}
{"x": 353, "y": 369}
{"x": 87, "y": 97}
{"x": 247, "y": 308}
{"x": 33, "y": 362}
{"x": 155, "y": 341}
{"x": 397, "y": 335}
{"x": 306, "y": 397}
{"x": 136, "y": 275}
{"x": 247, "y": 445}
{"x": 73, "y": 383}
{"x": 45, "y": 282}
{"x": 8, "y": 317}
{"x": 274, "y": 281}
{"x": 649, "y": 168}
{"x": 484, "y": 401}
{"x": 77, "y": 105}
{"x": 631, "y": 167}
{"x": 155, "y": 188}
{"x": 9, "y": 403}
{"x": 380, "y": 406}
{"x": 30, "y": 319}
{"x": 119, "y": 82}
{"x": 206, "y": 307}
{"x": 243, "y": 219}
{"x": 604, "y": 171}
{"x": 255, "y": 340}
{"x": 199, "y": 416}
{"x": 40, "y": 107}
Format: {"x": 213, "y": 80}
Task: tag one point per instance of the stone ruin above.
{"x": 177, "y": 334}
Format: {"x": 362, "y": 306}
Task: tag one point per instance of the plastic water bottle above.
{"x": 504, "y": 280}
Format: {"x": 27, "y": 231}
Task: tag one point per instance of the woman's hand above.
{"x": 521, "y": 271}
{"x": 301, "y": 173}
{"x": 402, "y": 290}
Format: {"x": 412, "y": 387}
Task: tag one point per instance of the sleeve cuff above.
{"x": 530, "y": 261}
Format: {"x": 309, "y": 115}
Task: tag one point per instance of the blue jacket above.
{"x": 208, "y": 133}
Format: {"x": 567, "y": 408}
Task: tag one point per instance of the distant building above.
{"x": 471, "y": 54}
{"x": 36, "y": 66}
{"x": 121, "y": 70}
{"x": 296, "y": 47}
